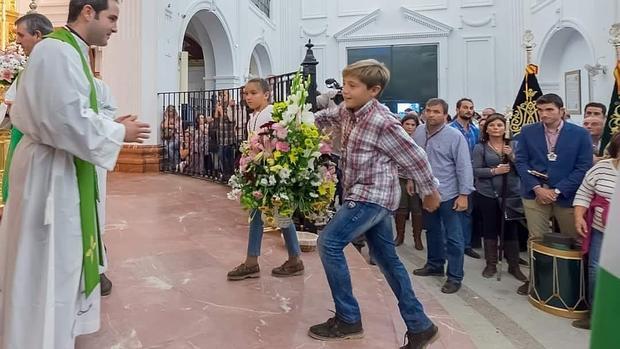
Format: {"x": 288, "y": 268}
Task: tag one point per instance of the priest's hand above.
{"x": 120, "y": 119}
{"x": 431, "y": 201}
{"x": 135, "y": 131}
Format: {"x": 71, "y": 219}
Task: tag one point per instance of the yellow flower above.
{"x": 271, "y": 161}
{"x": 277, "y": 154}
{"x": 309, "y": 143}
{"x": 292, "y": 156}
{"x": 323, "y": 189}
{"x": 275, "y": 168}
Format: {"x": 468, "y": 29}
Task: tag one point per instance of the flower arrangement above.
{"x": 284, "y": 167}
{"x": 12, "y": 61}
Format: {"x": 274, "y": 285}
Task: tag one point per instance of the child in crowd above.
{"x": 256, "y": 94}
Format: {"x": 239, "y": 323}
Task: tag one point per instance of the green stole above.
{"x": 87, "y": 186}
{"x": 16, "y": 136}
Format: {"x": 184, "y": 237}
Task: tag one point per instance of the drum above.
{"x": 557, "y": 283}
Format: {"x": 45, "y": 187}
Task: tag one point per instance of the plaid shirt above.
{"x": 374, "y": 144}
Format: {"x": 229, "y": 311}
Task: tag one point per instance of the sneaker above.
{"x": 524, "y": 289}
{"x": 288, "y": 269}
{"x": 583, "y": 324}
{"x": 473, "y": 254}
{"x": 427, "y": 271}
{"x": 242, "y": 271}
{"x": 106, "y": 285}
{"x": 451, "y": 286}
{"x": 422, "y": 339}
{"x": 336, "y": 330}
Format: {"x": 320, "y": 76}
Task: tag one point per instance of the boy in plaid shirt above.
{"x": 373, "y": 145}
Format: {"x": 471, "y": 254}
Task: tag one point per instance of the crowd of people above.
{"x": 539, "y": 182}
{"x": 207, "y": 144}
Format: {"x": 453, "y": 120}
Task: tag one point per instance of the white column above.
{"x": 150, "y": 109}
{"x": 120, "y": 64}
{"x": 184, "y": 76}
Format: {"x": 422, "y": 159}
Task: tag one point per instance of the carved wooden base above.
{"x": 136, "y": 158}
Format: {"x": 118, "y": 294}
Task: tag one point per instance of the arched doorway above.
{"x": 260, "y": 62}
{"x": 565, "y": 52}
{"x": 215, "y": 66}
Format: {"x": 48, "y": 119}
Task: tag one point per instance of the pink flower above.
{"x": 281, "y": 131}
{"x": 7, "y": 75}
{"x": 283, "y": 147}
{"x": 267, "y": 145}
{"x": 243, "y": 163}
{"x": 257, "y": 195}
{"x": 255, "y": 143}
{"x": 325, "y": 148}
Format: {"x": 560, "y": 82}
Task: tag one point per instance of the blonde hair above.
{"x": 369, "y": 71}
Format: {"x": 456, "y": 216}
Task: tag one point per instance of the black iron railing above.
{"x": 200, "y": 131}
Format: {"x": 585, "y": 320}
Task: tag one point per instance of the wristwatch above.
{"x": 557, "y": 191}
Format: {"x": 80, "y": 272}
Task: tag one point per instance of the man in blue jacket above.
{"x": 552, "y": 157}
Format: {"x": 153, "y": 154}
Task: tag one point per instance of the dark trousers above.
{"x": 491, "y": 220}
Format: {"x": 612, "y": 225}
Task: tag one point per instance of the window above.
{"x": 263, "y": 5}
{"x": 414, "y": 72}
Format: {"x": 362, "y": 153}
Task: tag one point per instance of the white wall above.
{"x": 480, "y": 53}
{"x": 476, "y": 59}
{"x": 571, "y": 34}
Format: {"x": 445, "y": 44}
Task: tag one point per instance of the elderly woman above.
{"x": 591, "y": 206}
{"x": 497, "y": 180}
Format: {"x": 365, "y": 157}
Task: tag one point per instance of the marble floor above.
{"x": 172, "y": 239}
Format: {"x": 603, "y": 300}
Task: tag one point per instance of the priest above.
{"x": 50, "y": 238}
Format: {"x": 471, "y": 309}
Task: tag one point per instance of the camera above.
{"x": 333, "y": 84}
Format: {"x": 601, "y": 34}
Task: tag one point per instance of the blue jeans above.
{"x": 596, "y": 242}
{"x": 466, "y": 222}
{"x": 227, "y": 159}
{"x": 256, "y": 236}
{"x": 444, "y": 236}
{"x": 171, "y": 154}
{"x": 352, "y": 220}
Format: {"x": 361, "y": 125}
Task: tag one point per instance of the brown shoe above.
{"x": 511, "y": 251}
{"x": 242, "y": 271}
{"x": 288, "y": 269}
{"x": 400, "y": 220}
{"x": 524, "y": 289}
{"x": 490, "y": 254}
{"x": 515, "y": 271}
{"x": 416, "y": 223}
{"x": 583, "y": 324}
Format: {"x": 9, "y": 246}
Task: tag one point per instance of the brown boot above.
{"x": 511, "y": 251}
{"x": 416, "y": 224}
{"x": 400, "y": 219}
{"x": 490, "y": 254}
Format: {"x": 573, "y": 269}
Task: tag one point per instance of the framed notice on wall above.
{"x": 572, "y": 91}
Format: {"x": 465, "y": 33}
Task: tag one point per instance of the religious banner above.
{"x": 613, "y": 116}
{"x": 524, "y": 108}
